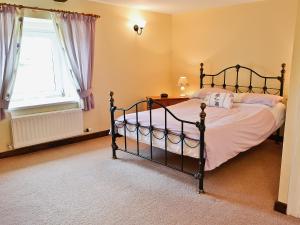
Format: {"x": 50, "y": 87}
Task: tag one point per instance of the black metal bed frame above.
{"x": 182, "y": 137}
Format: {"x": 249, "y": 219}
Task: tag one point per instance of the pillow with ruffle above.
{"x": 220, "y": 100}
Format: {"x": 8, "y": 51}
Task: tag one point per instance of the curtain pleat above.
{"x": 77, "y": 35}
{"x": 11, "y": 23}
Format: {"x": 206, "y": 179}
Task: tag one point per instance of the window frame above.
{"x": 58, "y": 71}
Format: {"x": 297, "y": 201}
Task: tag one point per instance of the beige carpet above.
{"x": 81, "y": 184}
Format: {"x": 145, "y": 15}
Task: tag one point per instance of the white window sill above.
{"x": 16, "y": 106}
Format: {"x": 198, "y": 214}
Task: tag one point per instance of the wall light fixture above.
{"x": 139, "y": 26}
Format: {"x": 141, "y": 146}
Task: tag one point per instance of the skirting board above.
{"x": 280, "y": 207}
{"x": 53, "y": 144}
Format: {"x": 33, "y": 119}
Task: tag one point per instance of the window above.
{"x": 43, "y": 76}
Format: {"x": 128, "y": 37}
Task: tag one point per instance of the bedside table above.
{"x": 166, "y": 101}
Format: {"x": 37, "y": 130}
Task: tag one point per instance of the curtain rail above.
{"x": 48, "y": 10}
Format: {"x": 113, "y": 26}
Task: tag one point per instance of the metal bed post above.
{"x": 182, "y": 137}
{"x": 281, "y": 79}
{"x": 238, "y": 67}
{"x": 166, "y": 133}
{"x": 250, "y": 82}
{"x": 125, "y": 128}
{"x": 224, "y": 81}
{"x": 201, "y": 127}
{"x": 113, "y": 108}
{"x": 201, "y": 75}
{"x": 151, "y": 129}
{"x": 137, "y": 129}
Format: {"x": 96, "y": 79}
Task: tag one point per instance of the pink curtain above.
{"x": 77, "y": 35}
{"x": 11, "y": 22}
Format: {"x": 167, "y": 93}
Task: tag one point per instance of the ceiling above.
{"x": 173, "y": 6}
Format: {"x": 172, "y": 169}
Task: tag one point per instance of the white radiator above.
{"x": 45, "y": 127}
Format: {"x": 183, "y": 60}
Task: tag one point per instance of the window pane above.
{"x": 36, "y": 66}
{"x": 42, "y": 72}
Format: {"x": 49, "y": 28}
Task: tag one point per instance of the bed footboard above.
{"x": 199, "y": 124}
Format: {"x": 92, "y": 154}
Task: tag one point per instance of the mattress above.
{"x": 228, "y": 131}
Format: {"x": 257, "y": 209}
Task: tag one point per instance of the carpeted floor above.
{"x": 81, "y": 184}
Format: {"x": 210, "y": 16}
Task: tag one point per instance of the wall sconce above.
{"x": 183, "y": 83}
{"x": 138, "y": 27}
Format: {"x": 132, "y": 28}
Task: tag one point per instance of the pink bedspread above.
{"x": 228, "y": 131}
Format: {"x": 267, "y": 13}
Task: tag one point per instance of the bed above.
{"x": 212, "y": 135}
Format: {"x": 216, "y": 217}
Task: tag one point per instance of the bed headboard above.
{"x": 245, "y": 85}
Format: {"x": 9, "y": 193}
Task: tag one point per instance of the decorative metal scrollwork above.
{"x": 158, "y": 138}
{"x": 250, "y": 88}
{"x": 166, "y": 133}
{"x": 144, "y": 134}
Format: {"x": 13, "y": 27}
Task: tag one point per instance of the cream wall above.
{"x": 258, "y": 35}
{"x": 290, "y": 159}
{"x": 133, "y": 66}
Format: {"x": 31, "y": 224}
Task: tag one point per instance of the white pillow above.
{"x": 264, "y": 99}
{"x": 238, "y": 97}
{"x": 220, "y": 100}
{"x": 202, "y": 93}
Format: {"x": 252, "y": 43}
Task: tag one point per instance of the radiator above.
{"x": 46, "y": 127}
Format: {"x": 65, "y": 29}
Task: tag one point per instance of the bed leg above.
{"x": 114, "y": 145}
{"x": 114, "y": 150}
{"x": 201, "y": 127}
{"x": 277, "y": 137}
{"x": 201, "y": 176}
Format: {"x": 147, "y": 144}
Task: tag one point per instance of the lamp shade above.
{"x": 141, "y": 23}
{"x": 183, "y": 81}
